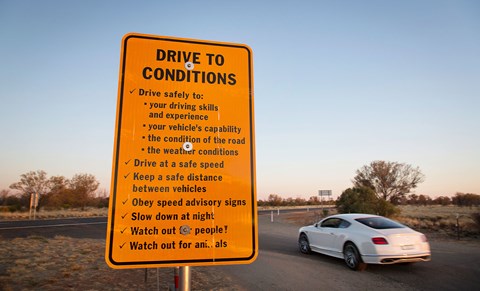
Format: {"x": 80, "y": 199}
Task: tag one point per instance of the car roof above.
{"x": 353, "y": 215}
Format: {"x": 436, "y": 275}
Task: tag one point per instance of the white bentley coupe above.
{"x": 362, "y": 239}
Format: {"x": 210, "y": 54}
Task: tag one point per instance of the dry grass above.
{"x": 437, "y": 210}
{"x": 46, "y": 214}
{"x": 443, "y": 219}
{"x": 62, "y": 263}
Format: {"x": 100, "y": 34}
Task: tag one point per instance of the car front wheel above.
{"x": 303, "y": 244}
{"x": 352, "y": 258}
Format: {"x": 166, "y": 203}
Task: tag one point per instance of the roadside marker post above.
{"x": 183, "y": 187}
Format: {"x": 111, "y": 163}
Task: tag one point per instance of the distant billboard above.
{"x": 324, "y": 192}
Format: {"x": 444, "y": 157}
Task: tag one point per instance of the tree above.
{"x": 58, "y": 195}
{"x": 442, "y": 200}
{"x": 424, "y": 200}
{"x": 314, "y": 200}
{"x": 30, "y": 183}
{"x": 413, "y": 199}
{"x": 390, "y": 180}
{"x": 364, "y": 200}
{"x": 300, "y": 201}
{"x": 3, "y": 196}
{"x": 12, "y": 202}
{"x": 275, "y": 200}
{"x": 83, "y": 187}
{"x": 468, "y": 199}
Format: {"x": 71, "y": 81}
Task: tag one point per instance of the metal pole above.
{"x": 35, "y": 203}
{"x": 185, "y": 280}
{"x": 31, "y": 203}
{"x": 321, "y": 204}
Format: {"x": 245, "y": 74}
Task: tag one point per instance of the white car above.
{"x": 362, "y": 239}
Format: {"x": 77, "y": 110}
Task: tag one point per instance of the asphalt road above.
{"x": 455, "y": 264}
{"x": 94, "y": 227}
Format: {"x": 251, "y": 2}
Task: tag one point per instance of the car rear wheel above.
{"x": 352, "y": 258}
{"x": 303, "y": 244}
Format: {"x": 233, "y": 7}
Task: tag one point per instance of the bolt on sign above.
{"x": 183, "y": 177}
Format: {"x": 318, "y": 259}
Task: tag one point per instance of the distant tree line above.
{"x": 377, "y": 188}
{"x": 277, "y": 200}
{"x": 53, "y": 192}
{"x": 459, "y": 199}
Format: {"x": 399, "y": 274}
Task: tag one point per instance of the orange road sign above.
{"x": 183, "y": 177}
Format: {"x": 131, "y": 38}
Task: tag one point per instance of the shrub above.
{"x": 364, "y": 200}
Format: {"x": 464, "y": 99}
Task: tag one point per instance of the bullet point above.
{"x": 126, "y": 163}
{"x": 123, "y": 216}
{"x": 121, "y": 246}
{"x": 131, "y": 91}
{"x": 125, "y": 176}
{"x": 123, "y": 230}
{"x": 125, "y": 201}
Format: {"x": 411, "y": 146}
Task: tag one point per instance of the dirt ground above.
{"x": 63, "y": 263}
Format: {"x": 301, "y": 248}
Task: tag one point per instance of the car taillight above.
{"x": 379, "y": 241}
{"x": 424, "y": 238}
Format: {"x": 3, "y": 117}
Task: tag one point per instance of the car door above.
{"x": 323, "y": 236}
{"x": 338, "y": 235}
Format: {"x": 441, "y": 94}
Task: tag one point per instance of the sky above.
{"x": 338, "y": 84}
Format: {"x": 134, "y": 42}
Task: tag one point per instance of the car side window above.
{"x": 344, "y": 224}
{"x": 332, "y": 223}
{"x": 335, "y": 223}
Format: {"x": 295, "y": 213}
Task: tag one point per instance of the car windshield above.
{"x": 379, "y": 222}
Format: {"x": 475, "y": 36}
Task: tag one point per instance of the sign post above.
{"x": 322, "y": 193}
{"x": 33, "y": 204}
{"x": 183, "y": 178}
